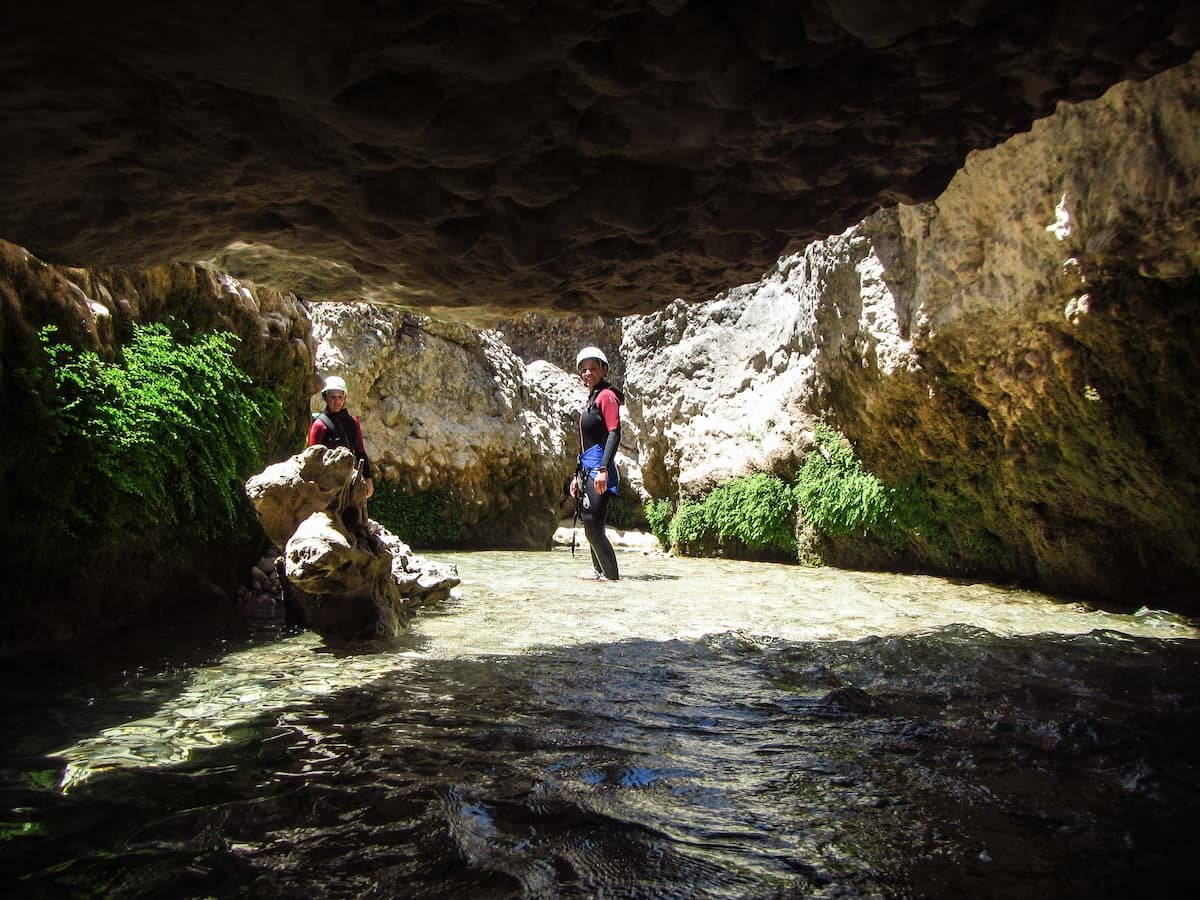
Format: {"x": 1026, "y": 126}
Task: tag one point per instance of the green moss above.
{"x": 658, "y": 518}
{"x": 136, "y": 463}
{"x": 836, "y": 495}
{"x": 43, "y": 779}
{"x": 160, "y": 439}
{"x": 425, "y": 520}
{"x": 835, "y": 500}
{"x": 749, "y": 516}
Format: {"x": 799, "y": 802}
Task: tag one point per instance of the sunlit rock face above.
{"x": 346, "y": 576}
{"x": 726, "y": 388}
{"x": 1021, "y": 351}
{"x": 1051, "y": 294}
{"x": 448, "y": 409}
{"x": 564, "y": 155}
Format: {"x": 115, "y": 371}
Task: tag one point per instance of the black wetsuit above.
{"x": 599, "y": 437}
{"x": 346, "y": 432}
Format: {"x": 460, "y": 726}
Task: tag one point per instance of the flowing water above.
{"x": 703, "y": 728}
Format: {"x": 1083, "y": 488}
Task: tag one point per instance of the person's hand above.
{"x": 601, "y": 480}
{"x": 574, "y": 487}
{"x": 370, "y": 487}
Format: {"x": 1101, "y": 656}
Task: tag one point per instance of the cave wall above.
{"x": 555, "y": 155}
{"x": 95, "y": 309}
{"x": 1021, "y": 350}
{"x": 1051, "y": 296}
{"x": 446, "y": 408}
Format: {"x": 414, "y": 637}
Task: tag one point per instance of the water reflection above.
{"x": 702, "y": 728}
{"x": 516, "y": 602}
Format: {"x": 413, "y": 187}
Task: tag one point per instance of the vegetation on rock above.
{"x": 836, "y": 495}
{"x": 137, "y": 459}
{"x": 831, "y": 499}
{"x": 752, "y": 516}
{"x": 162, "y": 438}
{"x": 433, "y": 519}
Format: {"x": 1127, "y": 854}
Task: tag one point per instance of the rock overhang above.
{"x": 574, "y": 156}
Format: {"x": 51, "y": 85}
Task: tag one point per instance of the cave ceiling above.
{"x": 577, "y": 155}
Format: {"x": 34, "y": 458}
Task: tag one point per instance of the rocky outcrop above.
{"x": 1050, "y": 295}
{"x": 49, "y": 598}
{"x": 558, "y": 155}
{"x": 448, "y": 409}
{"x": 346, "y": 576}
{"x": 95, "y": 308}
{"x": 1020, "y": 353}
{"x": 725, "y": 388}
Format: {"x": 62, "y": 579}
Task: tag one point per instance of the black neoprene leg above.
{"x": 604, "y": 558}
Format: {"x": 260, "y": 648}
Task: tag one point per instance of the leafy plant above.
{"x": 752, "y": 514}
{"x": 431, "y": 519}
{"x": 756, "y": 512}
{"x": 691, "y": 529}
{"x": 837, "y": 497}
{"x": 157, "y": 441}
{"x": 658, "y": 518}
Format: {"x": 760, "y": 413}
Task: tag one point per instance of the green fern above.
{"x": 836, "y": 496}
{"x": 161, "y": 438}
{"x": 658, "y": 518}
{"x": 752, "y": 515}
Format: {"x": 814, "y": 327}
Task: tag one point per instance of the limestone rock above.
{"x": 726, "y": 388}
{"x": 347, "y": 576}
{"x": 287, "y": 493}
{"x": 447, "y": 408}
{"x": 1021, "y": 351}
{"x": 557, "y": 155}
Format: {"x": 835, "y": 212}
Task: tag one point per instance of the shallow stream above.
{"x": 703, "y": 728}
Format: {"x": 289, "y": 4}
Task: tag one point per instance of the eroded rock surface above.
{"x": 1021, "y": 351}
{"x": 347, "y": 576}
{"x": 449, "y": 409}
{"x": 567, "y": 155}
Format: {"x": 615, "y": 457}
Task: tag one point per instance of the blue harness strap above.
{"x": 591, "y": 458}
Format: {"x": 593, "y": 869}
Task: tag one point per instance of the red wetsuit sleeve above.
{"x": 316, "y": 434}
{"x": 610, "y": 408}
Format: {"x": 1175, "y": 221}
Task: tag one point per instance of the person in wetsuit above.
{"x": 335, "y": 427}
{"x": 599, "y": 437}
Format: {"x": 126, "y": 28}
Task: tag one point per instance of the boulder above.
{"x": 287, "y": 493}
{"x": 344, "y": 575}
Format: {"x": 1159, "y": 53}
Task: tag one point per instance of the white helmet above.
{"x": 333, "y": 383}
{"x": 591, "y": 353}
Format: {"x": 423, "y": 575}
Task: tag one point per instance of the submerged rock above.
{"x": 345, "y": 575}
